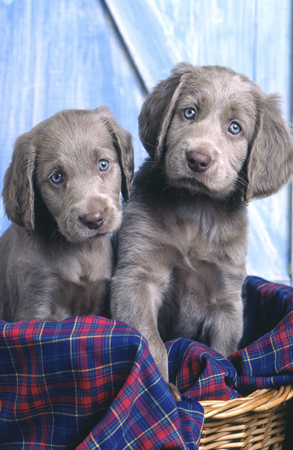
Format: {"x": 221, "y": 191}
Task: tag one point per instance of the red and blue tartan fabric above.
{"x": 88, "y": 382}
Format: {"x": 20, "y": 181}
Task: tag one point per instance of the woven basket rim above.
{"x": 259, "y": 400}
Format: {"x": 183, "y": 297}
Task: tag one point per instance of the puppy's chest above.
{"x": 85, "y": 266}
{"x": 195, "y": 241}
{"x": 85, "y": 276}
{"x": 213, "y": 239}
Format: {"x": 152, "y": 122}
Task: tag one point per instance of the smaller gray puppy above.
{"x": 215, "y": 142}
{"x": 61, "y": 191}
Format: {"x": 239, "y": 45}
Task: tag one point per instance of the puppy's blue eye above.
{"x": 103, "y": 165}
{"x": 57, "y": 178}
{"x": 189, "y": 113}
{"x": 234, "y": 128}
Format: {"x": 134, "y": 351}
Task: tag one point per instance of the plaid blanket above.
{"x": 88, "y": 382}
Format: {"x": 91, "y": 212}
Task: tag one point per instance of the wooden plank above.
{"x": 147, "y": 38}
{"x": 273, "y": 49}
{"x": 213, "y": 31}
{"x": 15, "y": 71}
{"x": 200, "y": 32}
{"x": 271, "y": 219}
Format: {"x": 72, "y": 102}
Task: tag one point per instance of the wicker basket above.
{"x": 254, "y": 422}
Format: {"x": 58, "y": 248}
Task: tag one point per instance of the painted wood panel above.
{"x": 271, "y": 218}
{"x": 144, "y": 31}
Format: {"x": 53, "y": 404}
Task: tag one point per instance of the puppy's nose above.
{"x": 198, "y": 162}
{"x": 94, "y": 220}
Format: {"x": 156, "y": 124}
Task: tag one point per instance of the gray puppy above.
{"x": 215, "y": 142}
{"x": 61, "y": 191}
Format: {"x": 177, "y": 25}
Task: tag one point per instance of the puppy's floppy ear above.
{"x": 122, "y": 140}
{"x": 157, "y": 110}
{"x": 18, "y": 191}
{"x": 270, "y": 161}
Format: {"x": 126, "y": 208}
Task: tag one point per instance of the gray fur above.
{"x": 56, "y": 257}
{"x": 183, "y": 241}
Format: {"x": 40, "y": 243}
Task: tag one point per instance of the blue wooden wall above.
{"x": 81, "y": 53}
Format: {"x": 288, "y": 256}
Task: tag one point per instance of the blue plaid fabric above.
{"x": 89, "y": 383}
{"x": 266, "y": 358}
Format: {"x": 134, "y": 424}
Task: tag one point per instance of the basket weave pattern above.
{"x": 254, "y": 422}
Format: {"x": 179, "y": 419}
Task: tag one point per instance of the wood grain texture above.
{"x": 144, "y": 31}
{"x": 271, "y": 218}
{"x": 214, "y": 31}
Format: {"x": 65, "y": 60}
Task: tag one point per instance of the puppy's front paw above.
{"x": 174, "y": 392}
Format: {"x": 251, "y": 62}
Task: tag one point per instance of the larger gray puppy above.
{"x": 215, "y": 142}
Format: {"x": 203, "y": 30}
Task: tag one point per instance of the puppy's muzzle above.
{"x": 198, "y": 162}
{"x": 93, "y": 220}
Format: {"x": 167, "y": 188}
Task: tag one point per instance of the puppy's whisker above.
{"x": 148, "y": 144}
{"x": 186, "y": 259}
{"x": 241, "y": 184}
